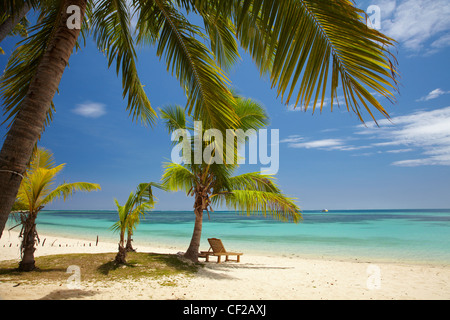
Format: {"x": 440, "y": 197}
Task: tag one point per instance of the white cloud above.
{"x": 425, "y": 134}
{"x": 325, "y": 143}
{"x": 318, "y": 104}
{"x": 292, "y": 107}
{"x": 426, "y": 131}
{"x": 90, "y": 109}
{"x": 292, "y": 139}
{"x": 399, "y": 150}
{"x": 434, "y": 94}
{"x": 414, "y": 23}
{"x": 442, "y": 42}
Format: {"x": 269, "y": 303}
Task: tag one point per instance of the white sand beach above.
{"x": 255, "y": 277}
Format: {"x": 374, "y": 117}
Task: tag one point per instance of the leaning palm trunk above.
{"x": 193, "y": 250}
{"x": 29, "y": 235}
{"x": 29, "y": 123}
{"x": 201, "y": 200}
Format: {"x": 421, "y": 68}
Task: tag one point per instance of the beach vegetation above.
{"x": 307, "y": 49}
{"x": 213, "y": 184}
{"x": 130, "y": 213}
{"x": 101, "y": 267}
{"x": 37, "y": 189}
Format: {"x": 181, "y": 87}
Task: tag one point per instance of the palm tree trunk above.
{"x": 193, "y": 250}
{"x": 122, "y": 253}
{"x": 121, "y": 257}
{"x": 28, "y": 240}
{"x": 29, "y": 123}
{"x": 8, "y": 25}
{"x": 129, "y": 246}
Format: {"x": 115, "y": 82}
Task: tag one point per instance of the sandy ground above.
{"x": 255, "y": 277}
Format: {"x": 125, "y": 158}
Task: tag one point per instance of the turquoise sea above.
{"x": 386, "y": 235}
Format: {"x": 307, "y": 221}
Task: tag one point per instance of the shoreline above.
{"x": 177, "y": 247}
{"x": 266, "y": 277}
{"x": 369, "y": 236}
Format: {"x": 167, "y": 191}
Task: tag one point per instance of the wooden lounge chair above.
{"x": 217, "y": 249}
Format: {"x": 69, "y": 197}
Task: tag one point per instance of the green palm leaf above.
{"x": 176, "y": 177}
{"x": 68, "y": 189}
{"x": 175, "y": 118}
{"x": 42, "y": 158}
{"x": 221, "y": 30}
{"x": 111, "y": 24}
{"x": 254, "y": 181}
{"x": 193, "y": 64}
{"x": 277, "y": 205}
{"x": 135, "y": 207}
{"x": 320, "y": 46}
{"x": 37, "y": 188}
{"x": 251, "y": 114}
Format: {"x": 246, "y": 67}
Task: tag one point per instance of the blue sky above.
{"x": 327, "y": 160}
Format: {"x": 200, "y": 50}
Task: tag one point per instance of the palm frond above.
{"x": 204, "y": 82}
{"x": 137, "y": 204}
{"x": 221, "y": 30}
{"x": 129, "y": 204}
{"x": 139, "y": 211}
{"x": 176, "y": 177}
{"x": 252, "y": 202}
{"x": 36, "y": 185}
{"x": 321, "y": 44}
{"x": 119, "y": 224}
{"x": 111, "y": 24}
{"x": 253, "y": 35}
{"x": 254, "y": 181}
{"x": 251, "y": 114}
{"x": 68, "y": 189}
{"x": 175, "y": 118}
{"x": 42, "y": 158}
{"x": 144, "y": 193}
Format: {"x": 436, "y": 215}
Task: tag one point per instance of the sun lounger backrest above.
{"x": 216, "y": 245}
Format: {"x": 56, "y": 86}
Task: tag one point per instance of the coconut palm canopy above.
{"x": 38, "y": 188}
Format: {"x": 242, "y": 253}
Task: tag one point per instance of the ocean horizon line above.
{"x": 303, "y": 210}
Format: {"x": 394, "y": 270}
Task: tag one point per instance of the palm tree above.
{"x": 136, "y": 205}
{"x": 39, "y": 63}
{"x": 35, "y": 192}
{"x": 312, "y": 47}
{"x": 214, "y": 184}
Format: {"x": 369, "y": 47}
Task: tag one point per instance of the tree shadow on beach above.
{"x": 12, "y": 273}
{"x": 218, "y": 271}
{"x": 68, "y": 294}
